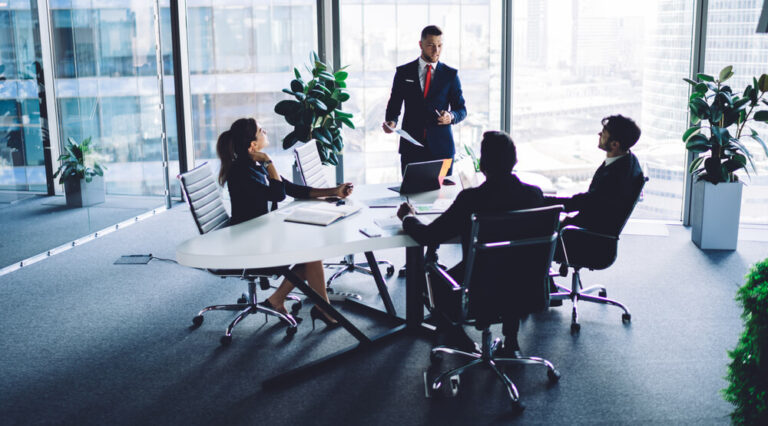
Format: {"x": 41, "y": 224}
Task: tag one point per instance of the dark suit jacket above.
{"x": 444, "y": 94}
{"x": 604, "y": 206}
{"x": 497, "y": 195}
{"x": 251, "y": 190}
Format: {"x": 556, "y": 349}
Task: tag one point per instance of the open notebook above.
{"x": 322, "y": 214}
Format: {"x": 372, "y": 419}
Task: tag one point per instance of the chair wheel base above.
{"x": 225, "y": 340}
{"x": 602, "y": 293}
{"x": 197, "y": 320}
{"x": 575, "y": 327}
{"x": 625, "y": 318}
{"x": 296, "y": 307}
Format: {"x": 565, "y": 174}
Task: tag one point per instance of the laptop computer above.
{"x": 420, "y": 177}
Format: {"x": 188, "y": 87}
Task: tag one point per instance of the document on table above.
{"x": 403, "y": 134}
{"x": 439, "y": 206}
{"x": 322, "y": 214}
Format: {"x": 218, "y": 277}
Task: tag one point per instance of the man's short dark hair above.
{"x": 431, "y": 30}
{"x": 623, "y": 130}
{"x": 498, "y": 154}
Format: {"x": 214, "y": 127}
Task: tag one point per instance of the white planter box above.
{"x": 715, "y": 213}
{"x": 82, "y": 194}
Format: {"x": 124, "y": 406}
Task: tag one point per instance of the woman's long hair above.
{"x": 234, "y": 144}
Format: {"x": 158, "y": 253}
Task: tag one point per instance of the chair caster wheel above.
{"x": 575, "y": 327}
{"x": 225, "y": 340}
{"x": 390, "y": 271}
{"x": 625, "y": 318}
{"x": 553, "y": 375}
{"x": 435, "y": 358}
{"x": 602, "y": 293}
{"x": 295, "y": 308}
{"x": 197, "y": 320}
{"x": 518, "y": 407}
{"x": 563, "y": 270}
{"x": 290, "y": 331}
{"x": 242, "y": 300}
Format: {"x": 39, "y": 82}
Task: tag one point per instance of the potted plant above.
{"x": 81, "y": 174}
{"x": 316, "y": 113}
{"x": 719, "y": 116}
{"x": 748, "y": 371}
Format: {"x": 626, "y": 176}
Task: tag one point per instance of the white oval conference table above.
{"x": 269, "y": 241}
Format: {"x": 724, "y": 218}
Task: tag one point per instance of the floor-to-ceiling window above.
{"x": 22, "y": 166}
{"x": 378, "y": 36}
{"x": 106, "y": 87}
{"x": 576, "y": 62}
{"x": 241, "y": 56}
{"x": 731, "y": 40}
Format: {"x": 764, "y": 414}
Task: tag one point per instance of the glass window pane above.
{"x": 731, "y": 40}
{"x": 378, "y": 36}
{"x": 577, "y": 62}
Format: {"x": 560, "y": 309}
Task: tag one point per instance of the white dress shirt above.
{"x": 423, "y": 71}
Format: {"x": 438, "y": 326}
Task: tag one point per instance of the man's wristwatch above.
{"x": 266, "y": 163}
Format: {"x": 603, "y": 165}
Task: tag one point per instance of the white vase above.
{"x": 715, "y": 211}
{"x": 80, "y": 193}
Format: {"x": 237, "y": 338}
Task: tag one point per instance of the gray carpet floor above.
{"x": 33, "y": 224}
{"x": 85, "y": 341}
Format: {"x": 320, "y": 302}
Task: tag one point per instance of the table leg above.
{"x": 325, "y": 306}
{"x": 382, "y": 286}
{"x": 415, "y": 285}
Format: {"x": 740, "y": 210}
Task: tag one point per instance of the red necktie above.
{"x": 427, "y": 80}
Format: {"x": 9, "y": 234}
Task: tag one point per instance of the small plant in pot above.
{"x": 316, "y": 113}
{"x": 719, "y": 117}
{"x": 81, "y": 174}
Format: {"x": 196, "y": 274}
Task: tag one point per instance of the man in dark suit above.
{"x": 502, "y": 191}
{"x": 431, "y": 91}
{"x": 602, "y": 208}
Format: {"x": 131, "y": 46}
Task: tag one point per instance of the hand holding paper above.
{"x": 403, "y": 134}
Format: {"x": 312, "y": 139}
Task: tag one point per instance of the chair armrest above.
{"x": 445, "y": 276}
{"x": 573, "y": 228}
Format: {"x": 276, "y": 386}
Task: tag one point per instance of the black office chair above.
{"x": 312, "y": 174}
{"x": 204, "y": 198}
{"x": 506, "y": 278}
{"x": 582, "y": 248}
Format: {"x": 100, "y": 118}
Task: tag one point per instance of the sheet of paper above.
{"x": 403, "y": 134}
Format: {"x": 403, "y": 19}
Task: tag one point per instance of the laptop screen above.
{"x": 420, "y": 177}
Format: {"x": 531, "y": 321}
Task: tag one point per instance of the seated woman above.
{"x": 253, "y": 183}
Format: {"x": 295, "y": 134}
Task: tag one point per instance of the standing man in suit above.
{"x": 602, "y": 208}
{"x": 431, "y": 91}
{"x": 502, "y": 191}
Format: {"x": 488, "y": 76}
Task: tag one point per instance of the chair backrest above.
{"x": 204, "y": 198}
{"x": 310, "y": 167}
{"x": 507, "y": 266}
{"x": 636, "y": 191}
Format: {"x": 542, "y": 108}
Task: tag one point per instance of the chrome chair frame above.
{"x": 312, "y": 174}
{"x": 203, "y": 197}
{"x": 487, "y": 354}
{"x": 577, "y": 291}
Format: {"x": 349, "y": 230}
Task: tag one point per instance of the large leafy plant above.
{"x": 316, "y": 113}
{"x": 748, "y": 371}
{"x": 727, "y": 113}
{"x": 79, "y": 161}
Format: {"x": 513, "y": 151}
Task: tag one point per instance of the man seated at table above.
{"x": 601, "y": 208}
{"x": 501, "y": 191}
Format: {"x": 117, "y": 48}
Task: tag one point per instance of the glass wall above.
{"x": 22, "y": 163}
{"x": 576, "y": 62}
{"x": 731, "y": 40}
{"x": 106, "y": 87}
{"x": 378, "y": 36}
{"x": 241, "y": 56}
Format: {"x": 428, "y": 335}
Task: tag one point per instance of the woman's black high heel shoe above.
{"x": 315, "y": 313}
{"x": 265, "y": 303}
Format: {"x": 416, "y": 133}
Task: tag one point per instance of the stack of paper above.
{"x": 322, "y": 213}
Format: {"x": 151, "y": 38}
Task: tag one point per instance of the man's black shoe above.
{"x": 508, "y": 350}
